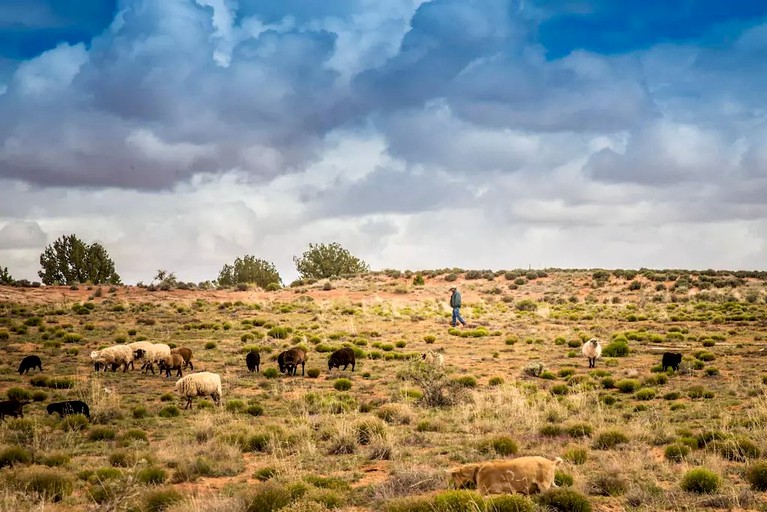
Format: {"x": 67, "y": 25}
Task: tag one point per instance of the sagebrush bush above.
{"x": 122, "y": 458}
{"x": 151, "y": 475}
{"x": 271, "y": 373}
{"x": 550, "y": 430}
{"x": 158, "y": 500}
{"x": 608, "y": 484}
{"x": 101, "y": 434}
{"x": 313, "y": 373}
{"x": 627, "y": 385}
{"x": 562, "y": 479}
{"x": 580, "y": 430}
{"x": 14, "y": 455}
{"x": 342, "y": 384}
{"x": 269, "y": 497}
{"x": 563, "y": 500}
{"x": 645, "y": 394}
{"x": 700, "y": 481}
{"x": 169, "y": 411}
{"x": 738, "y": 449}
{"x": 576, "y": 455}
{"x": 74, "y": 422}
{"x": 46, "y": 483}
{"x": 676, "y": 452}
{"x": 610, "y": 439}
{"x": 18, "y": 394}
{"x": 756, "y": 475}
{"x": 501, "y": 444}
{"x": 616, "y": 349}
{"x": 254, "y": 410}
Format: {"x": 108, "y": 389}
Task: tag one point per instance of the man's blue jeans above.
{"x": 457, "y": 317}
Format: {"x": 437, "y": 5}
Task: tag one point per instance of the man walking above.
{"x": 455, "y": 303}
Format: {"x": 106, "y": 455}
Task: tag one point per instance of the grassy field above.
{"x": 515, "y": 383}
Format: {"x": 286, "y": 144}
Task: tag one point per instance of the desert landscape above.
{"x": 384, "y": 436}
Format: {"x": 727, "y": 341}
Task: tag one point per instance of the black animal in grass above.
{"x": 69, "y": 407}
{"x": 12, "y": 408}
{"x": 30, "y": 363}
{"x": 253, "y": 360}
{"x": 341, "y": 357}
{"x": 671, "y": 360}
{"x": 289, "y": 360}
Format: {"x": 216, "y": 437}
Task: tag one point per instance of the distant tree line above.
{"x": 71, "y": 261}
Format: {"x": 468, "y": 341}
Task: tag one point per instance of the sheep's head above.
{"x": 593, "y": 341}
{"x": 464, "y": 477}
{"x": 139, "y": 353}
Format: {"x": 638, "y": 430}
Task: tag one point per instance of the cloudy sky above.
{"x": 418, "y": 134}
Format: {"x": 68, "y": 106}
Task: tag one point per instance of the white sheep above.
{"x": 114, "y": 356}
{"x": 199, "y": 384}
{"x": 150, "y": 353}
{"x": 592, "y": 350}
{"x": 433, "y": 358}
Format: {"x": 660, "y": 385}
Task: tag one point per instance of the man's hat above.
{"x": 453, "y": 288}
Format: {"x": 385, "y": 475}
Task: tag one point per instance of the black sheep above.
{"x": 253, "y": 360}
{"x": 12, "y": 408}
{"x": 69, "y": 407}
{"x": 341, "y": 357}
{"x": 671, "y": 360}
{"x": 29, "y": 363}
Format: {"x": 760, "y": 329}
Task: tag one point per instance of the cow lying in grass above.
{"x": 526, "y": 475}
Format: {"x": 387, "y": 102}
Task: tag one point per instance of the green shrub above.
{"x": 610, "y": 439}
{"x": 560, "y": 389}
{"x": 169, "y": 411}
{"x": 47, "y": 483}
{"x": 616, "y": 349}
{"x": 140, "y": 412}
{"x": 18, "y": 394}
{"x": 342, "y": 384}
{"x": 254, "y": 410}
{"x": 151, "y": 475}
{"x": 271, "y": 373}
{"x": 550, "y": 430}
{"x": 700, "y": 481}
{"x": 39, "y": 381}
{"x": 580, "y": 430}
{"x": 60, "y": 383}
{"x": 607, "y": 383}
{"x": 134, "y": 434}
{"x": 645, "y": 394}
{"x": 158, "y": 500}
{"x": 756, "y": 475}
{"x": 269, "y": 497}
{"x": 122, "y": 458}
{"x": 466, "y": 381}
{"x": 562, "y": 479}
{"x": 627, "y": 385}
{"x": 210, "y": 345}
{"x": 738, "y": 449}
{"x": 576, "y": 455}
{"x": 429, "y": 339}
{"x": 705, "y": 356}
{"x": 676, "y": 452}
{"x": 313, "y": 373}
{"x": 74, "y": 422}
{"x": 496, "y": 381}
{"x": 608, "y": 484}
{"x": 56, "y": 460}
{"x": 234, "y": 405}
{"x": 14, "y": 455}
{"x": 265, "y": 473}
{"x": 712, "y": 371}
{"x": 279, "y": 333}
{"x": 501, "y": 444}
{"x": 167, "y": 397}
{"x": 101, "y": 434}
{"x": 563, "y": 500}
{"x": 39, "y": 395}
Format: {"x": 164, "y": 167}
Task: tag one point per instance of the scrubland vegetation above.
{"x": 513, "y": 383}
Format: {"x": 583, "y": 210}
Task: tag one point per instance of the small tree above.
{"x": 5, "y": 276}
{"x": 328, "y": 260}
{"x": 69, "y": 260}
{"x": 249, "y": 269}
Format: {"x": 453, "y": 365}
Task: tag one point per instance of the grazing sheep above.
{"x": 342, "y": 356}
{"x": 151, "y": 355}
{"x": 525, "y": 475}
{"x": 113, "y": 356}
{"x": 253, "y": 360}
{"x": 171, "y": 362}
{"x": 592, "y": 350}
{"x": 69, "y": 407}
{"x": 290, "y": 359}
{"x": 30, "y": 363}
{"x": 199, "y": 384}
{"x": 146, "y": 346}
{"x": 12, "y": 408}
{"x": 186, "y": 353}
{"x": 433, "y": 358}
{"x": 671, "y": 360}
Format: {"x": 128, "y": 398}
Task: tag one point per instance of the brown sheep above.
{"x": 171, "y": 362}
{"x": 525, "y": 475}
{"x": 290, "y": 359}
{"x": 186, "y": 353}
{"x": 341, "y": 357}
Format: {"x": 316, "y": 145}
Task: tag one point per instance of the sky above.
{"x": 481, "y": 134}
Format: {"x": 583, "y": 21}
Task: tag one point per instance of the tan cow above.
{"x": 525, "y": 475}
